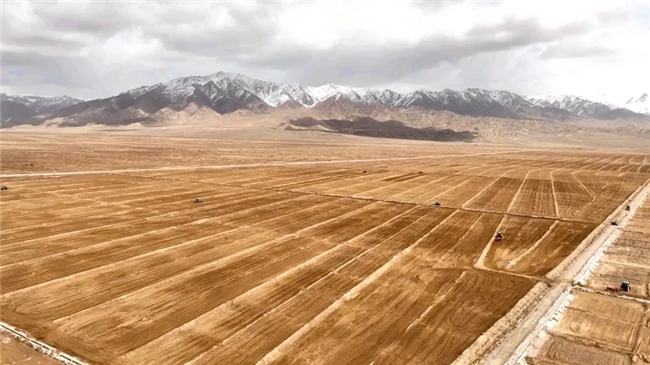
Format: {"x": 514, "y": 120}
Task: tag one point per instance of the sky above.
{"x": 532, "y": 47}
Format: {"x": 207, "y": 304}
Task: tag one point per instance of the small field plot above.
{"x": 598, "y": 329}
{"x": 496, "y": 197}
{"x": 533, "y": 246}
{"x": 535, "y": 196}
{"x": 628, "y": 259}
{"x": 570, "y": 195}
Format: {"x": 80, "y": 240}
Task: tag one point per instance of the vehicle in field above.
{"x": 625, "y": 286}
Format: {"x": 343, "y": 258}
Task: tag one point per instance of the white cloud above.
{"x": 531, "y": 47}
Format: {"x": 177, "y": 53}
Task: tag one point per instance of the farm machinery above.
{"x": 4, "y": 188}
{"x": 625, "y": 286}
{"x": 197, "y": 200}
{"x": 498, "y": 236}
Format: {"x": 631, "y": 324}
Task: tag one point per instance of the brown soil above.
{"x": 14, "y": 352}
{"x": 599, "y": 329}
{"x": 294, "y": 263}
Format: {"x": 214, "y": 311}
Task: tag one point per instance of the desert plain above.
{"x": 300, "y": 252}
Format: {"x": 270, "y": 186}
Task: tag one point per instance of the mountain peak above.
{"x": 640, "y": 104}
{"x": 42, "y": 104}
{"x": 225, "y": 92}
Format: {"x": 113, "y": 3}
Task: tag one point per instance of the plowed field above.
{"x": 598, "y": 329}
{"x": 628, "y": 258}
{"x": 332, "y": 261}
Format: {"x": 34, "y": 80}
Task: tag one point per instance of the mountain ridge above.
{"x": 14, "y": 107}
{"x": 471, "y": 101}
{"x": 225, "y": 93}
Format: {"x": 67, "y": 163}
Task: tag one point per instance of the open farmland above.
{"x": 603, "y": 326}
{"x": 598, "y": 329}
{"x": 628, "y": 258}
{"x": 336, "y": 261}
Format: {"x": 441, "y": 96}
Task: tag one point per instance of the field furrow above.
{"x": 345, "y": 262}
{"x": 535, "y": 198}
{"x": 498, "y": 196}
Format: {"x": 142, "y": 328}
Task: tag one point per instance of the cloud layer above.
{"x": 98, "y": 49}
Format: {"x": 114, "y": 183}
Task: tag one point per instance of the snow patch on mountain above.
{"x": 639, "y": 104}
{"x": 222, "y": 84}
{"x": 43, "y": 104}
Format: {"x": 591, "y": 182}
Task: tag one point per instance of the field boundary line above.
{"x": 480, "y": 262}
{"x": 514, "y": 198}
{"x": 304, "y": 264}
{"x": 376, "y": 178}
{"x": 123, "y": 209}
{"x": 139, "y": 220}
{"x": 392, "y": 183}
{"x": 39, "y": 346}
{"x": 487, "y": 187}
{"x": 231, "y": 229}
{"x": 547, "y": 321}
{"x": 557, "y": 210}
{"x": 421, "y": 186}
{"x": 583, "y": 186}
{"x": 388, "y": 200}
{"x": 220, "y": 261}
{"x": 514, "y": 261}
{"x": 216, "y": 167}
{"x": 351, "y": 294}
{"x": 354, "y": 196}
{"x": 488, "y": 340}
{"x": 437, "y": 300}
{"x": 618, "y": 349}
{"x": 601, "y": 232}
{"x": 613, "y": 295}
{"x": 418, "y": 187}
{"x": 570, "y": 269}
{"x": 433, "y": 198}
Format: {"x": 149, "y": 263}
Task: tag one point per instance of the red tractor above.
{"x": 498, "y": 236}
{"x": 625, "y": 286}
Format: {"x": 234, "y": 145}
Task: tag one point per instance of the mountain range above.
{"x": 28, "y": 106}
{"x": 223, "y": 94}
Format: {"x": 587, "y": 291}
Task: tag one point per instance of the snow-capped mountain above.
{"x": 273, "y": 94}
{"x": 640, "y": 104}
{"x": 42, "y": 104}
{"x": 264, "y": 95}
{"x": 225, "y": 93}
{"x": 583, "y": 107}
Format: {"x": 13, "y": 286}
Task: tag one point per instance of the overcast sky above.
{"x": 533, "y": 47}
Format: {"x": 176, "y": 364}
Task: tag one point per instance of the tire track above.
{"x": 146, "y": 298}
{"x": 402, "y": 222}
{"x": 278, "y": 350}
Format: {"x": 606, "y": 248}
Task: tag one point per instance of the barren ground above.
{"x": 313, "y": 263}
